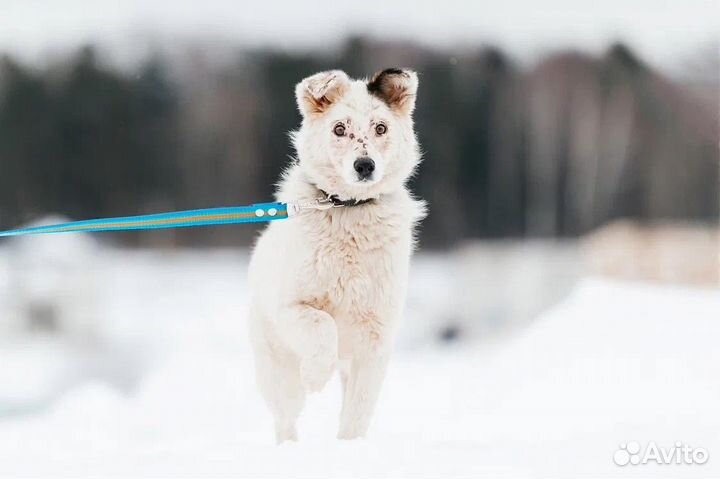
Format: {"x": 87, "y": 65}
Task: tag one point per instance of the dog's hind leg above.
{"x": 278, "y": 379}
{"x": 277, "y": 374}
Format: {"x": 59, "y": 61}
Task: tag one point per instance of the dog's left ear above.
{"x": 396, "y": 87}
{"x": 318, "y": 92}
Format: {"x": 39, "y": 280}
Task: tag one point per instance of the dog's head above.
{"x": 357, "y": 138}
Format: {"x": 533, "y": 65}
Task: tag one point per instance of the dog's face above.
{"x": 357, "y": 138}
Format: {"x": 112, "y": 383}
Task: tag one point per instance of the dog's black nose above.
{"x": 364, "y": 167}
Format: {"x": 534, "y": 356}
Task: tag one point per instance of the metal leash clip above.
{"x": 320, "y": 204}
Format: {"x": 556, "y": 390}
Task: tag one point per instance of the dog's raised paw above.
{"x": 316, "y": 371}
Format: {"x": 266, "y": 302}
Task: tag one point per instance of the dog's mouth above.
{"x": 361, "y": 186}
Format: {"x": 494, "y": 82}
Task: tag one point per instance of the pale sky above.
{"x": 663, "y": 32}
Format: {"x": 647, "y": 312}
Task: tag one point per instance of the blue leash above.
{"x": 181, "y": 219}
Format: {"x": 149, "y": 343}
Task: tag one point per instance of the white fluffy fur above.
{"x": 328, "y": 287}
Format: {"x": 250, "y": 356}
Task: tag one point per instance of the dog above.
{"x": 328, "y": 286}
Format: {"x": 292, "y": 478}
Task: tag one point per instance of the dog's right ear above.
{"x": 317, "y": 93}
{"x": 396, "y": 87}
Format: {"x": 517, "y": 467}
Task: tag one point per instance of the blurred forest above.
{"x": 550, "y": 150}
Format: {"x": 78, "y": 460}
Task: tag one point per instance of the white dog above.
{"x": 328, "y": 286}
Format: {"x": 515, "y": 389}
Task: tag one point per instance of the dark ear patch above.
{"x": 396, "y": 87}
{"x": 374, "y": 86}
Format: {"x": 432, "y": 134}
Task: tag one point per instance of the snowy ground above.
{"x": 164, "y": 388}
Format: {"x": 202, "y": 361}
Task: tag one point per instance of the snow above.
{"x": 166, "y": 388}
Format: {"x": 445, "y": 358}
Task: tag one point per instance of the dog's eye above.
{"x": 339, "y": 129}
{"x": 380, "y": 129}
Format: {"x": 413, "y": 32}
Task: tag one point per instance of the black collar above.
{"x": 351, "y": 202}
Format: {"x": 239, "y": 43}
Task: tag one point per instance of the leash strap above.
{"x": 257, "y": 213}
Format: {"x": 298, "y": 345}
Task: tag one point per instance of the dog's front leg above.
{"x": 312, "y": 335}
{"x": 361, "y": 389}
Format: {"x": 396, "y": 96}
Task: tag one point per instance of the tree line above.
{"x": 554, "y": 149}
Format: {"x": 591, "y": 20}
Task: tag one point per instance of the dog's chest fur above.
{"x": 356, "y": 257}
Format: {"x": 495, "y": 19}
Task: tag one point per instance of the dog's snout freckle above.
{"x": 352, "y": 136}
